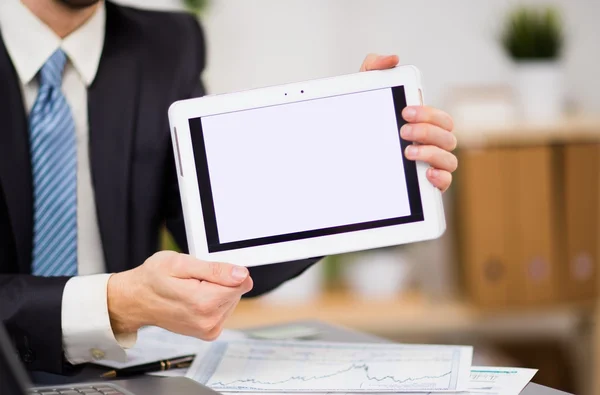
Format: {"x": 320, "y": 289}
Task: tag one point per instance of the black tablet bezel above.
{"x": 208, "y": 207}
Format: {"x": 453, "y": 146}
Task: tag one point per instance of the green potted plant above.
{"x": 196, "y": 6}
{"x": 533, "y": 38}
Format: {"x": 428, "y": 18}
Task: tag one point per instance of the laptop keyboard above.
{"x": 79, "y": 390}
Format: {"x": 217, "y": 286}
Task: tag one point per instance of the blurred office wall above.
{"x": 264, "y": 42}
{"x": 455, "y": 43}
{"x": 254, "y": 43}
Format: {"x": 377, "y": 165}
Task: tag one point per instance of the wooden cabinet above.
{"x": 528, "y": 219}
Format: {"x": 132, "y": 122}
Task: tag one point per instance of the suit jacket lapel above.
{"x": 112, "y": 104}
{"x": 15, "y": 162}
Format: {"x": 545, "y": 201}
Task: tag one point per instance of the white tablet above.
{"x": 302, "y": 170}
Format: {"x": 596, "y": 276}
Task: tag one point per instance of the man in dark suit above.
{"x": 87, "y": 180}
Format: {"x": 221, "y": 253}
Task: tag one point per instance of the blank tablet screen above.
{"x": 304, "y": 169}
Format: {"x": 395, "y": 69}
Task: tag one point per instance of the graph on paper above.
{"x": 301, "y": 366}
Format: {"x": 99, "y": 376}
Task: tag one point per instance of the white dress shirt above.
{"x": 86, "y": 329}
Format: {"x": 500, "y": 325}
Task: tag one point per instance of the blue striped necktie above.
{"x": 54, "y": 171}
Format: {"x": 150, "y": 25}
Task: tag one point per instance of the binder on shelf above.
{"x": 582, "y": 221}
{"x": 482, "y": 200}
{"x": 536, "y": 240}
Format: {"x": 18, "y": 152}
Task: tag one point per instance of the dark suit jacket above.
{"x": 149, "y": 60}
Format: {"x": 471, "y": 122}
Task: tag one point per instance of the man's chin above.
{"x": 78, "y": 4}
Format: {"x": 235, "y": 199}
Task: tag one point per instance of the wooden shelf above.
{"x": 412, "y": 315}
{"x": 578, "y": 128}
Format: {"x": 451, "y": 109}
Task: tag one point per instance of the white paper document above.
{"x": 301, "y": 366}
{"x": 496, "y": 380}
{"x": 155, "y": 344}
{"x": 483, "y": 380}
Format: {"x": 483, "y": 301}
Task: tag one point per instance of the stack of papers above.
{"x": 250, "y": 367}
{"x": 237, "y": 364}
{"x": 300, "y": 366}
{"x": 484, "y": 381}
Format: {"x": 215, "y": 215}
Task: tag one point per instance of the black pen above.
{"x": 176, "y": 363}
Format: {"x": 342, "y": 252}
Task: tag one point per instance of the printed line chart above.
{"x": 300, "y": 366}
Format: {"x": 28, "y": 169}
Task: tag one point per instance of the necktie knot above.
{"x": 52, "y": 71}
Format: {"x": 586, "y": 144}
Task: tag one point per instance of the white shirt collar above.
{"x": 30, "y": 42}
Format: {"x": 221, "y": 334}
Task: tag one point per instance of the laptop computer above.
{"x": 15, "y": 381}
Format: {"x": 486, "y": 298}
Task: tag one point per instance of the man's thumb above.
{"x": 214, "y": 272}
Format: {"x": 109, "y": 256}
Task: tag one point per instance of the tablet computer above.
{"x": 302, "y": 170}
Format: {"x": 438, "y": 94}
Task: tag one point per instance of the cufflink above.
{"x": 97, "y": 354}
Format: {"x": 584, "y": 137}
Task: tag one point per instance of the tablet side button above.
{"x": 178, "y": 154}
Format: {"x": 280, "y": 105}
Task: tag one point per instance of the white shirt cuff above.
{"x": 86, "y": 329}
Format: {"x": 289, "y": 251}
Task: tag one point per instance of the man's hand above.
{"x": 430, "y": 127}
{"x": 176, "y": 292}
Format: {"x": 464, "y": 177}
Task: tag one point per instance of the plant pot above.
{"x": 539, "y": 89}
{"x": 378, "y": 274}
